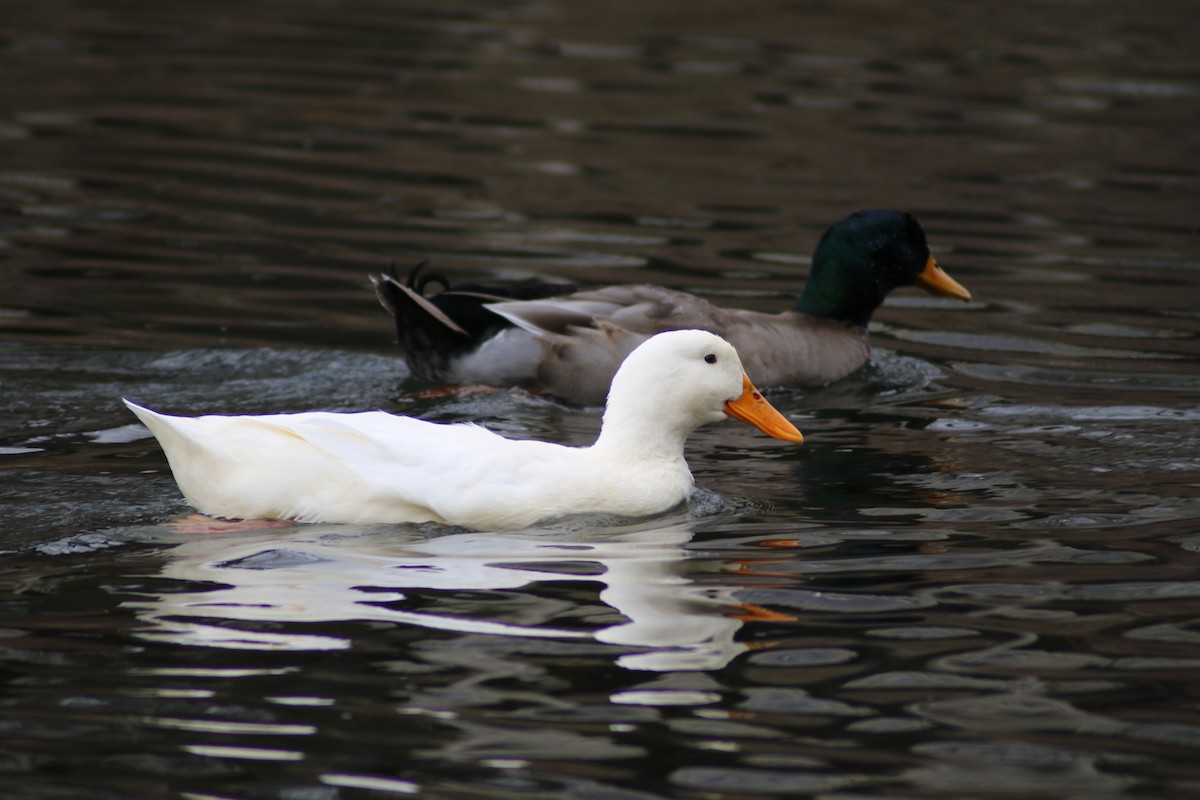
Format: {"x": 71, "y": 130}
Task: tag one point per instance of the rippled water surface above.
{"x": 978, "y": 578}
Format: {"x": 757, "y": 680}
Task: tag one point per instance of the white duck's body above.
{"x": 378, "y": 467}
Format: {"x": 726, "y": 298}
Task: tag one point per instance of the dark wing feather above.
{"x": 436, "y": 330}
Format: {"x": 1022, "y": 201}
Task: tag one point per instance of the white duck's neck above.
{"x": 631, "y": 432}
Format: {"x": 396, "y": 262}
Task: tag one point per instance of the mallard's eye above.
{"x": 710, "y": 358}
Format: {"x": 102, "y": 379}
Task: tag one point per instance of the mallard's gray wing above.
{"x": 554, "y": 315}
{"x": 584, "y": 337}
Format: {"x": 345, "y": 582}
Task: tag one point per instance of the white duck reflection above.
{"x": 320, "y": 574}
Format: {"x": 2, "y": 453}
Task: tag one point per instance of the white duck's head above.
{"x": 674, "y": 382}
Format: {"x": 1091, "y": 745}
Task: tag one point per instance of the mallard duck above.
{"x": 570, "y": 341}
{"x": 378, "y": 467}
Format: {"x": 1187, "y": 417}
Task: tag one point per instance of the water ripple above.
{"x": 193, "y": 195}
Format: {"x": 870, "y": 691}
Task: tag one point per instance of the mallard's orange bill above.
{"x": 753, "y": 409}
{"x": 934, "y": 280}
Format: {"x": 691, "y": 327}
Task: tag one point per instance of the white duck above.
{"x": 378, "y": 467}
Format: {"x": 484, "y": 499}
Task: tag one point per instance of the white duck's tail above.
{"x": 198, "y": 462}
{"x": 171, "y": 432}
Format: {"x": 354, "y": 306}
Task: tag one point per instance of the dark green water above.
{"x": 978, "y": 578}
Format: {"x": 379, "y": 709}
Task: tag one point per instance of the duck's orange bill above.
{"x": 934, "y": 280}
{"x": 753, "y": 409}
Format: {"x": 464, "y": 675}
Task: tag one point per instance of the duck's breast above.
{"x": 796, "y": 350}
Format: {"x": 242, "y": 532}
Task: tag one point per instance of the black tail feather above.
{"x": 435, "y": 330}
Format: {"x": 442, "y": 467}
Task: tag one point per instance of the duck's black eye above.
{"x": 710, "y": 358}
